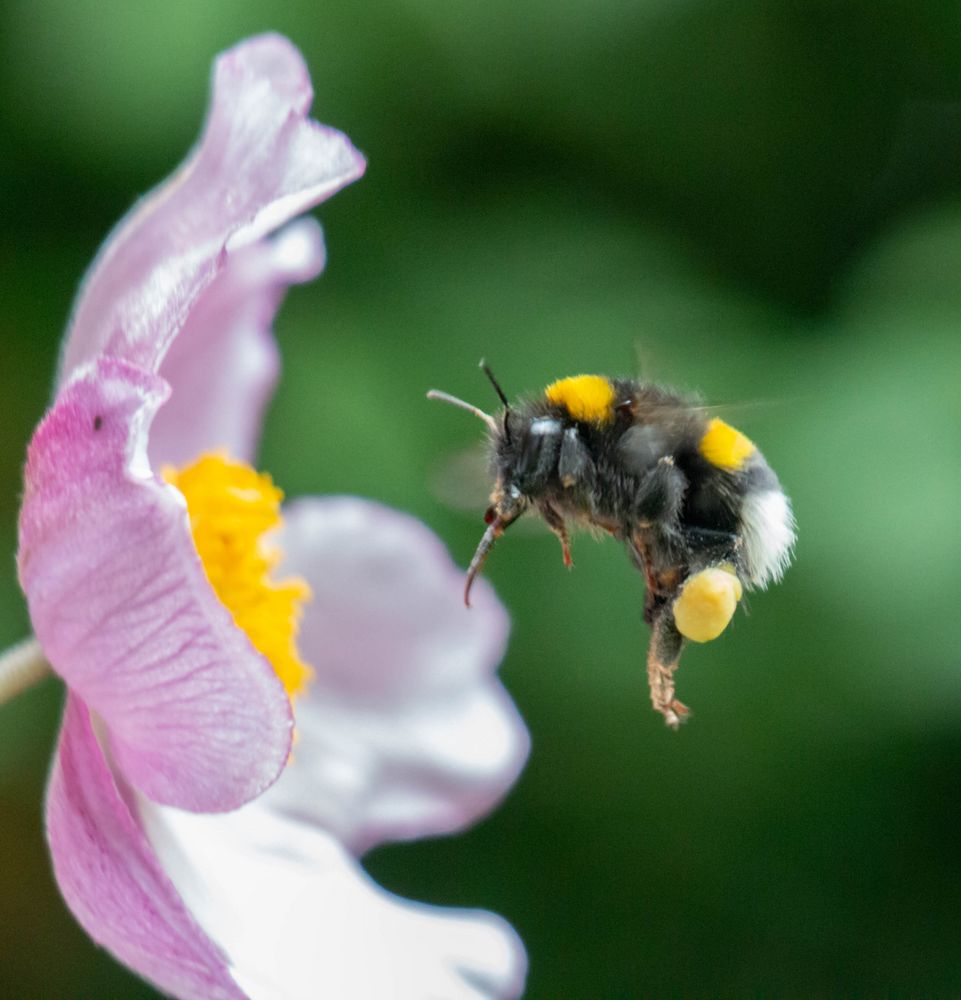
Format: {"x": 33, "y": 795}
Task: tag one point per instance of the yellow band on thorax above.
{"x": 725, "y": 446}
{"x": 585, "y": 397}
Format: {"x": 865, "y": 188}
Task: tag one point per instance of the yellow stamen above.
{"x": 707, "y": 603}
{"x": 231, "y": 507}
{"x": 585, "y": 397}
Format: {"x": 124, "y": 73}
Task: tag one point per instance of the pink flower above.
{"x": 153, "y": 595}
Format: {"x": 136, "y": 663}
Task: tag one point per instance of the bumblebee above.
{"x": 700, "y": 511}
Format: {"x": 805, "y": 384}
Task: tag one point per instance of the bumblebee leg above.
{"x": 575, "y": 467}
{"x": 647, "y": 549}
{"x": 708, "y": 596}
{"x": 711, "y": 546}
{"x": 538, "y": 458}
{"x": 663, "y": 656}
{"x": 660, "y": 494}
{"x": 556, "y": 523}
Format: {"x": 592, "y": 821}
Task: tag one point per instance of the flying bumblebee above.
{"x": 699, "y": 509}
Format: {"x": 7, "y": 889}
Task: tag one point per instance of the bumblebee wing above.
{"x": 461, "y": 480}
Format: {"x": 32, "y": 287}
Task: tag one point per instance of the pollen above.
{"x": 231, "y": 508}
{"x": 586, "y": 397}
{"x": 707, "y": 603}
{"x": 725, "y": 446}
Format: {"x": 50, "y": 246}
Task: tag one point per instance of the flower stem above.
{"x": 21, "y": 666}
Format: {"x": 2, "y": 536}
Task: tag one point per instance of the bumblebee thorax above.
{"x": 587, "y": 398}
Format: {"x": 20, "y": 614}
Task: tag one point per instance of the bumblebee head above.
{"x": 510, "y": 496}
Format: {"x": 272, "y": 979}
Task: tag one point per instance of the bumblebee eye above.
{"x": 489, "y": 515}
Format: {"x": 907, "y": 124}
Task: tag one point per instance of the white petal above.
{"x": 405, "y": 730}
{"x": 298, "y": 918}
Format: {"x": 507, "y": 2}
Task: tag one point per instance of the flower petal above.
{"x": 111, "y": 879}
{"x": 299, "y": 919}
{"x": 259, "y": 163}
{"x": 223, "y": 365}
{"x": 404, "y": 730}
{"x": 123, "y": 609}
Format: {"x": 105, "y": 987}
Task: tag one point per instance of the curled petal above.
{"x": 124, "y": 611}
{"x": 223, "y": 365}
{"x": 111, "y": 879}
{"x": 299, "y": 919}
{"x": 259, "y": 163}
{"x": 405, "y": 730}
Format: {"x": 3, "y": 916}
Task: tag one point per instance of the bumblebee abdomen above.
{"x": 767, "y": 526}
{"x": 732, "y": 488}
{"x": 725, "y": 447}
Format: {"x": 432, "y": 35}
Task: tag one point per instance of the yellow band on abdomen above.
{"x": 725, "y": 446}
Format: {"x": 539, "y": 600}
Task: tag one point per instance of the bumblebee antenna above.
{"x": 445, "y": 397}
{"x": 485, "y": 368}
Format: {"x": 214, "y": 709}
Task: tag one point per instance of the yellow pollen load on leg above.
{"x": 585, "y": 397}
{"x": 707, "y": 603}
{"x": 231, "y": 507}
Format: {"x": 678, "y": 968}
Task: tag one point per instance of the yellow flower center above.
{"x": 231, "y": 508}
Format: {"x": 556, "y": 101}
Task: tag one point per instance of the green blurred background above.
{"x": 762, "y": 200}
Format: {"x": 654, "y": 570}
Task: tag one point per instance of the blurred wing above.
{"x": 647, "y": 367}
{"x": 462, "y": 481}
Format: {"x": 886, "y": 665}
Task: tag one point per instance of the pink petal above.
{"x": 111, "y": 879}
{"x": 405, "y": 730}
{"x": 299, "y": 919}
{"x": 260, "y": 162}
{"x": 122, "y": 607}
{"x": 223, "y": 365}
